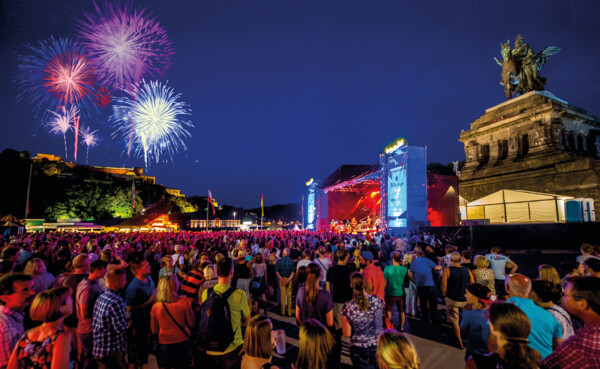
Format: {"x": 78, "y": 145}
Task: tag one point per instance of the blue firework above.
{"x": 152, "y": 120}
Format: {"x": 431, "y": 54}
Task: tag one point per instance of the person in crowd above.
{"x": 587, "y": 251}
{"x": 395, "y": 276}
{"x": 573, "y": 269}
{"x": 259, "y": 284}
{"x": 422, "y": 270}
{"x": 484, "y": 275}
{"x": 240, "y": 314}
{"x": 455, "y": 280}
{"x": 546, "y": 332}
{"x": 324, "y": 263}
{"x": 549, "y": 273}
{"x": 592, "y": 267}
{"x": 445, "y": 262}
{"x": 362, "y": 323}
{"x": 467, "y": 255}
{"x": 284, "y": 268}
{"x": 508, "y": 342}
{"x": 271, "y": 274}
{"x": 547, "y": 295}
{"x": 8, "y": 259}
{"x": 312, "y": 302}
{"x": 475, "y": 321}
{"x": 81, "y": 269}
{"x": 304, "y": 262}
{"x": 42, "y": 280}
{"x": 395, "y": 351}
{"x": 109, "y": 323}
{"x": 338, "y": 284}
{"x": 373, "y": 275}
{"x": 499, "y": 263}
{"x": 258, "y": 344}
{"x": 410, "y": 288}
{"x": 139, "y": 298}
{"x": 86, "y": 296}
{"x": 168, "y": 268}
{"x": 316, "y": 347}
{"x": 210, "y": 280}
{"x": 243, "y": 273}
{"x": 192, "y": 282}
{"x": 16, "y": 293}
{"x": 582, "y": 298}
{"x": 171, "y": 319}
{"x": 47, "y": 345}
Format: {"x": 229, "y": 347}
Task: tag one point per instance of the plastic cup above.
{"x": 279, "y": 341}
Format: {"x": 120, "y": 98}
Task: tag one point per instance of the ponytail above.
{"x": 312, "y": 279}
{"x": 358, "y": 292}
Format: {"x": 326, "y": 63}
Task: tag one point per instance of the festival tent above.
{"x": 517, "y": 206}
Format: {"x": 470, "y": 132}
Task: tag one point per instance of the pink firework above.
{"x": 102, "y": 97}
{"x": 69, "y": 77}
{"x": 125, "y": 44}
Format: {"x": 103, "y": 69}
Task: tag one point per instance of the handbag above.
{"x": 255, "y": 284}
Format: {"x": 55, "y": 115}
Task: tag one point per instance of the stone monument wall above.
{"x": 535, "y": 142}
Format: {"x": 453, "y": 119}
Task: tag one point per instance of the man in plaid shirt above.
{"x": 582, "y": 350}
{"x": 109, "y": 323}
{"x": 16, "y": 293}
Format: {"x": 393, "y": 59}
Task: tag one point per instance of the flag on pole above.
{"x": 211, "y": 201}
{"x": 262, "y": 206}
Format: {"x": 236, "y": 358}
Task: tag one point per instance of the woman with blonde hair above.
{"x": 316, "y": 347}
{"x": 361, "y": 321}
{"x": 311, "y": 301}
{"x": 509, "y": 329}
{"x": 258, "y": 344}
{"x": 483, "y": 274}
{"x": 42, "y": 280}
{"x": 550, "y": 274}
{"x": 395, "y": 351}
{"x": 171, "y": 318}
{"x": 48, "y": 345}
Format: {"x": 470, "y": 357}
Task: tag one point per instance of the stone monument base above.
{"x": 535, "y": 142}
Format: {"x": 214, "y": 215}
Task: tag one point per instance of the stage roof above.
{"x": 348, "y": 172}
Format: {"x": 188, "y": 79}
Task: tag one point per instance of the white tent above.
{"x": 516, "y": 206}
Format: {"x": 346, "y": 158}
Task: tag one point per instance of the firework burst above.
{"x": 102, "y": 97}
{"x": 153, "y": 120}
{"x": 57, "y": 72}
{"x": 89, "y": 138}
{"x": 125, "y": 44}
{"x": 62, "y": 122}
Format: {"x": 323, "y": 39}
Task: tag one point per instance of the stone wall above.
{"x": 534, "y": 142}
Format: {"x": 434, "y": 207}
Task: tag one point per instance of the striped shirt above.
{"x": 109, "y": 324}
{"x": 191, "y": 284}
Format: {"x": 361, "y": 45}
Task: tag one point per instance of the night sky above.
{"x": 282, "y": 91}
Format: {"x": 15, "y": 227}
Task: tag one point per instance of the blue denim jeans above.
{"x": 363, "y": 358}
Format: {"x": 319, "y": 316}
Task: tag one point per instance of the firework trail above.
{"x": 159, "y": 120}
{"x": 62, "y": 122}
{"x": 56, "y": 72}
{"x": 89, "y": 138}
{"x": 124, "y": 44}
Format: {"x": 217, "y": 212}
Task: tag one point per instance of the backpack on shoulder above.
{"x": 215, "y": 332}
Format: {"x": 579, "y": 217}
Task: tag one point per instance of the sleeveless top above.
{"x": 35, "y": 354}
{"x": 457, "y": 283}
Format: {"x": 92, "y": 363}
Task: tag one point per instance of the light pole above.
{"x": 234, "y": 219}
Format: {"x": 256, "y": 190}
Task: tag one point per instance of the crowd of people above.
{"x": 202, "y": 299}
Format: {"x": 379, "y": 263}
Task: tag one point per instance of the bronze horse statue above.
{"x": 510, "y": 70}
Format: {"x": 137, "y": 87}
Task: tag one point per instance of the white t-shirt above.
{"x": 324, "y": 264}
{"x": 303, "y": 262}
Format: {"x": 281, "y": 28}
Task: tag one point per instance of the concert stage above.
{"x": 389, "y": 196}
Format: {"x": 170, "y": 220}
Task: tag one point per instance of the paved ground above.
{"x": 431, "y": 342}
